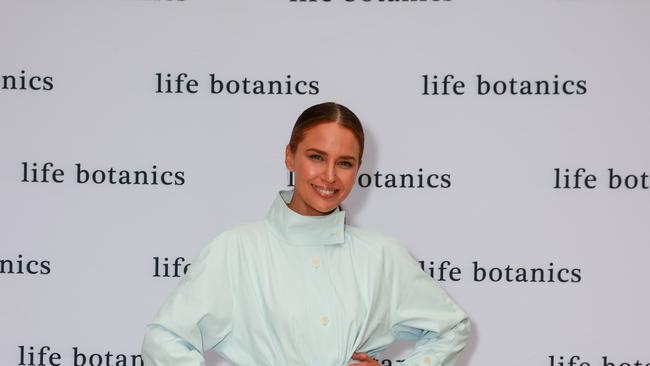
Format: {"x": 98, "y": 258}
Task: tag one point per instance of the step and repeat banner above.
{"x": 507, "y": 148}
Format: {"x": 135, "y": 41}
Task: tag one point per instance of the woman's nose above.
{"x": 329, "y": 175}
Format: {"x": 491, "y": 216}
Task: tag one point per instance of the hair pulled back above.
{"x": 322, "y": 113}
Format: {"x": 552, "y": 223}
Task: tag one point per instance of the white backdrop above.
{"x": 79, "y": 86}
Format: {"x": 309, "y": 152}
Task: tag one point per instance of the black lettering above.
{"x": 403, "y": 180}
{"x": 299, "y": 90}
{"x": 435, "y": 176}
{"x": 6, "y": 266}
{"x": 564, "y": 87}
{"x": 98, "y": 176}
{"x": 163, "y": 178}
{"x": 140, "y": 177}
{"x": 31, "y": 83}
{"x": 576, "y": 276}
{"x": 446, "y": 180}
{"x": 82, "y": 174}
{"x": 48, "y": 84}
{"x": 313, "y": 87}
{"x": 366, "y": 177}
{"x": 45, "y": 267}
{"x": 5, "y": 82}
{"x": 180, "y": 178}
{"x": 275, "y": 87}
{"x": 29, "y": 267}
{"x": 288, "y": 82}
{"x": 232, "y": 86}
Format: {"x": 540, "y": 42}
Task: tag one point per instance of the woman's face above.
{"x": 325, "y": 166}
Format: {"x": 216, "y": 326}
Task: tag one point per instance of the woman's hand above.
{"x": 364, "y": 359}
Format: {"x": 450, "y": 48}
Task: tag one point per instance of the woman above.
{"x": 302, "y": 287}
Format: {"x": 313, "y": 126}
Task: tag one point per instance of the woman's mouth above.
{"x": 325, "y": 192}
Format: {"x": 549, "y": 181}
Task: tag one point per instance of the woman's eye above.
{"x": 346, "y": 164}
{"x": 315, "y": 157}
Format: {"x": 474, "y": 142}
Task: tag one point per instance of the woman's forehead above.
{"x": 331, "y": 138}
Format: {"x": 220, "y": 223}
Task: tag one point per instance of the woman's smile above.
{"x": 326, "y": 193}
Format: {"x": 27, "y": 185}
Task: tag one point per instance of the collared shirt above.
{"x": 296, "y": 290}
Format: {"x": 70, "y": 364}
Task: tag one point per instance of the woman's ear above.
{"x": 288, "y": 158}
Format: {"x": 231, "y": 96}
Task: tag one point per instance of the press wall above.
{"x": 507, "y": 148}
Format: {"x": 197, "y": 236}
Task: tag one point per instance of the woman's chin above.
{"x": 324, "y": 208}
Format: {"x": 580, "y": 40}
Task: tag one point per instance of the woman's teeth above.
{"x": 324, "y": 191}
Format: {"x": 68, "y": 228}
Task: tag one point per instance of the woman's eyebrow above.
{"x": 317, "y": 151}
{"x": 347, "y": 157}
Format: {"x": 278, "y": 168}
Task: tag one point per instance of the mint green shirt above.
{"x": 296, "y": 290}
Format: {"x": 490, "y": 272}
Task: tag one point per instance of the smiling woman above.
{"x": 302, "y": 287}
{"x": 324, "y": 153}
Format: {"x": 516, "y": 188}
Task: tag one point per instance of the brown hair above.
{"x": 326, "y": 112}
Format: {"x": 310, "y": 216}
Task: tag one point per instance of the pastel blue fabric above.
{"x": 296, "y": 290}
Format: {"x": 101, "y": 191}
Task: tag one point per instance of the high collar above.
{"x": 297, "y": 229}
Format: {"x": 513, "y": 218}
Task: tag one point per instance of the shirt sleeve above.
{"x": 425, "y": 313}
{"x": 197, "y": 315}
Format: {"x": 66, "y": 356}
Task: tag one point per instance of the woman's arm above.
{"x": 197, "y": 315}
{"x": 163, "y": 347}
{"x": 425, "y": 313}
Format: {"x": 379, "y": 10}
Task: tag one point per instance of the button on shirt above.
{"x": 296, "y": 290}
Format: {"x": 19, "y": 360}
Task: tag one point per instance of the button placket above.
{"x": 319, "y": 277}
{"x": 316, "y": 264}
